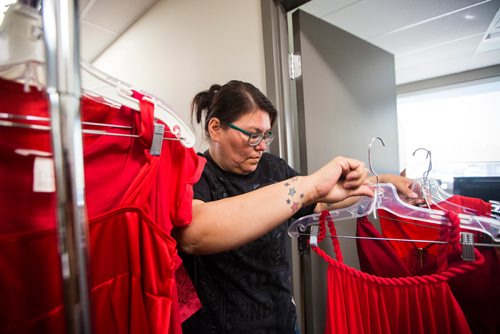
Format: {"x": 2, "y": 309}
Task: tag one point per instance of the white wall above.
{"x": 181, "y": 47}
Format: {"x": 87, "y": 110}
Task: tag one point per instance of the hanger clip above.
{"x": 467, "y": 242}
{"x": 313, "y": 237}
{"x": 157, "y": 139}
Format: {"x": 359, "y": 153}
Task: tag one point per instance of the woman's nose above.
{"x": 262, "y": 146}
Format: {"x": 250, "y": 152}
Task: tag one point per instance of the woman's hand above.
{"x": 403, "y": 186}
{"x": 339, "y": 179}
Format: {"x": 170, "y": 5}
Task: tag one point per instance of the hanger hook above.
{"x": 428, "y": 156}
{"x": 370, "y": 156}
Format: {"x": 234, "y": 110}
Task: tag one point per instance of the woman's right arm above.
{"x": 231, "y": 222}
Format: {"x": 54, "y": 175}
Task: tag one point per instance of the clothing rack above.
{"x": 61, "y": 39}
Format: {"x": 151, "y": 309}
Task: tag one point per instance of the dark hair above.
{"x": 229, "y": 102}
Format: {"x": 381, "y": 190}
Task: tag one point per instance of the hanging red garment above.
{"x": 377, "y": 257}
{"x": 358, "y": 302}
{"x": 420, "y": 257}
{"x": 133, "y": 200}
{"x": 477, "y": 291}
{"x": 126, "y": 293}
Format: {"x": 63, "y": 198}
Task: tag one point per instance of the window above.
{"x": 459, "y": 124}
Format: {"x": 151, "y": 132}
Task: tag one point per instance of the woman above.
{"x": 236, "y": 247}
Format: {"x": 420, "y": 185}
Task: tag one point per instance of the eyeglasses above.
{"x": 254, "y": 139}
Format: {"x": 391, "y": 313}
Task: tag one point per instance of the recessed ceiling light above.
{"x": 469, "y": 17}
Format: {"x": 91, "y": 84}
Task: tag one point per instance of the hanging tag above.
{"x": 43, "y": 175}
{"x": 157, "y": 139}
{"x": 467, "y": 242}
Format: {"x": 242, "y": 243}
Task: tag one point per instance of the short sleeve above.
{"x": 193, "y": 166}
{"x": 180, "y": 169}
{"x": 202, "y": 189}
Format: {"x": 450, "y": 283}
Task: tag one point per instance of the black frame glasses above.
{"x": 254, "y": 139}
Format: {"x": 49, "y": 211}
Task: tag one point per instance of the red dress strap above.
{"x": 424, "y": 279}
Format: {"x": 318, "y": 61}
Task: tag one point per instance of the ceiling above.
{"x": 103, "y": 21}
{"x": 429, "y": 38}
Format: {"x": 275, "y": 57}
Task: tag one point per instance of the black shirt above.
{"x": 245, "y": 290}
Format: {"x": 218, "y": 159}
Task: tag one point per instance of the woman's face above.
{"x": 237, "y": 156}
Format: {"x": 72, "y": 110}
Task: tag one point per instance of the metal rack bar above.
{"x": 61, "y": 38}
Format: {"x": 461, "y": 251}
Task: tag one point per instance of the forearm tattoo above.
{"x": 294, "y": 199}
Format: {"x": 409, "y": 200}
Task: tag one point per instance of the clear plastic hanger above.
{"x": 386, "y": 198}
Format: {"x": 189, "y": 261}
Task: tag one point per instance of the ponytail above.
{"x": 229, "y": 102}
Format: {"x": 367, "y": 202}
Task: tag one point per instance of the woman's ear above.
{"x": 214, "y": 129}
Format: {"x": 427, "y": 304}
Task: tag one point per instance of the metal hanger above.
{"x": 370, "y": 156}
{"x": 42, "y": 127}
{"x": 432, "y": 192}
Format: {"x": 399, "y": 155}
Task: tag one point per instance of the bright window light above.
{"x": 459, "y": 124}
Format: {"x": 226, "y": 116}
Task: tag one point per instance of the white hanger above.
{"x": 97, "y": 84}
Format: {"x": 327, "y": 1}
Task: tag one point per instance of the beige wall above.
{"x": 180, "y": 47}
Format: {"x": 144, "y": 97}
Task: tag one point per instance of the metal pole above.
{"x": 61, "y": 37}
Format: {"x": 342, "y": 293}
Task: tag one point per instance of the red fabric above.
{"x": 30, "y": 283}
{"x": 377, "y": 256}
{"x": 480, "y": 207}
{"x": 124, "y": 186}
{"x": 420, "y": 257}
{"x": 126, "y": 292}
{"x": 477, "y": 291}
{"x": 358, "y": 302}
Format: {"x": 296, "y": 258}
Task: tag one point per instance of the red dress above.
{"x": 477, "y": 291}
{"x": 358, "y": 302}
{"x": 134, "y": 199}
